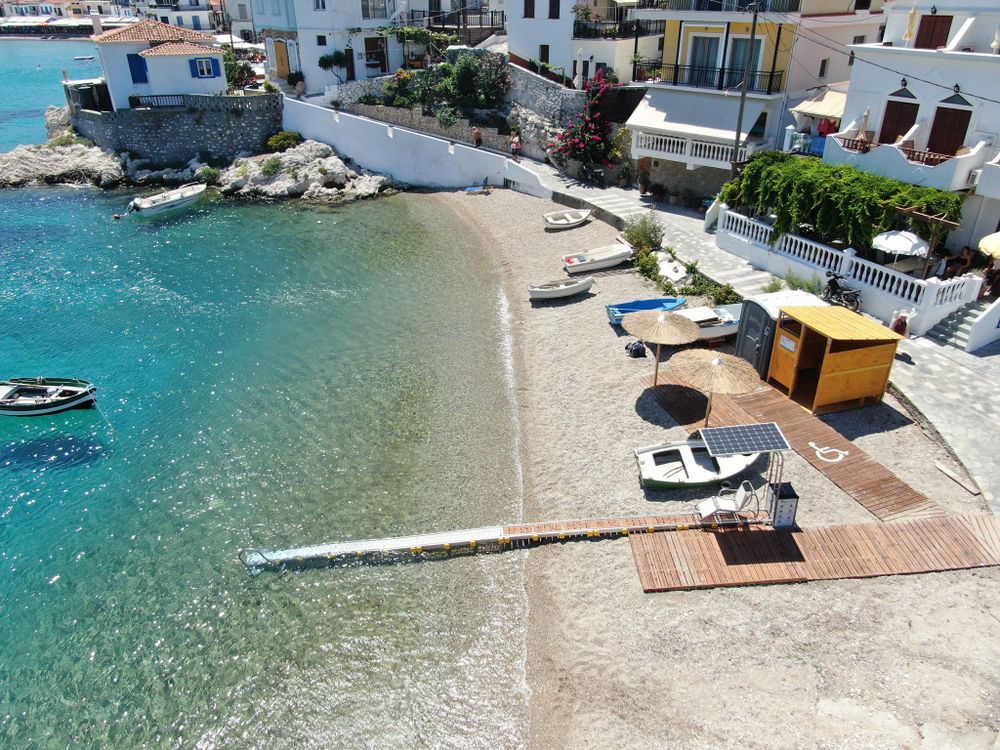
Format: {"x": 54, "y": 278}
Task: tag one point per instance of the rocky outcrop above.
{"x": 311, "y": 170}
{"x": 51, "y": 165}
{"x": 57, "y": 121}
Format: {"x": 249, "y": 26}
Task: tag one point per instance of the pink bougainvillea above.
{"x": 588, "y": 139}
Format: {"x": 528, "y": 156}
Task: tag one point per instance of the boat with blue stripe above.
{"x": 618, "y": 311}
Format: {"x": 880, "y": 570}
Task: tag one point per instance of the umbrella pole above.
{"x": 656, "y": 369}
{"x": 708, "y": 411}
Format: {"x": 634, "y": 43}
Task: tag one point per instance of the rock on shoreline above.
{"x": 311, "y": 170}
{"x": 51, "y": 165}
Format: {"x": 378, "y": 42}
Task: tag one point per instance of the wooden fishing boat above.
{"x": 561, "y": 288}
{"x": 182, "y": 197}
{"x": 594, "y": 260}
{"x": 715, "y": 322}
{"x": 618, "y": 311}
{"x": 686, "y": 463}
{"x": 565, "y": 219}
{"x": 28, "y": 397}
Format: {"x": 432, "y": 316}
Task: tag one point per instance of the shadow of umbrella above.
{"x": 660, "y": 327}
{"x": 714, "y": 372}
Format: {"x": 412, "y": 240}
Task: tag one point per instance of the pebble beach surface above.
{"x": 899, "y": 662}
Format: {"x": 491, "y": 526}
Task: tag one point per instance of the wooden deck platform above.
{"x": 880, "y": 491}
{"x": 761, "y": 555}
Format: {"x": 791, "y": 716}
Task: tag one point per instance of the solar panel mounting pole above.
{"x": 743, "y": 92}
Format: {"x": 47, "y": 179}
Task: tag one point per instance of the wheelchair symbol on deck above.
{"x": 823, "y": 453}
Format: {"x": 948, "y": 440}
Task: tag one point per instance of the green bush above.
{"x": 336, "y": 59}
{"x": 643, "y": 232}
{"x": 283, "y": 141}
{"x": 774, "y": 285}
{"x": 239, "y": 75}
{"x": 447, "y": 116}
{"x": 209, "y": 175}
{"x": 813, "y": 285}
{"x": 295, "y": 77}
{"x": 270, "y": 88}
{"x": 370, "y": 99}
{"x": 493, "y": 81}
{"x": 69, "y": 139}
{"x": 270, "y": 167}
{"x": 462, "y": 82}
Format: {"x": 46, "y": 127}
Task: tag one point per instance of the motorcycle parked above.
{"x": 837, "y": 294}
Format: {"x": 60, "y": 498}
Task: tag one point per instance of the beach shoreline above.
{"x": 607, "y": 664}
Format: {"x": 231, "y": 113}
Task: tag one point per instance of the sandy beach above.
{"x": 900, "y": 662}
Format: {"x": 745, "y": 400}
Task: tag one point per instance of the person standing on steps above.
{"x": 477, "y": 137}
{"x": 515, "y": 146}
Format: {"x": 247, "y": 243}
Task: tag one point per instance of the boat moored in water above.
{"x": 169, "y": 200}
{"x": 686, "y": 463}
{"x": 28, "y": 397}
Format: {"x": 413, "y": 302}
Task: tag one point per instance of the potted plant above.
{"x": 643, "y": 182}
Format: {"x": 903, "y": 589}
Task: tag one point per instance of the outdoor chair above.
{"x": 729, "y": 502}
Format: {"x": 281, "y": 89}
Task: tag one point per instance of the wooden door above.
{"x": 933, "y": 32}
{"x": 948, "y": 131}
{"x": 281, "y": 58}
{"x": 351, "y": 76}
{"x": 898, "y": 118}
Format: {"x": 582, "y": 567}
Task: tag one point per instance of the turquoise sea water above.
{"x": 32, "y": 80}
{"x": 325, "y": 375}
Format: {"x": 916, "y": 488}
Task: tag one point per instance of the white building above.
{"x": 189, "y": 14}
{"x": 150, "y": 58}
{"x": 239, "y": 15}
{"x": 922, "y": 107}
{"x": 684, "y": 132}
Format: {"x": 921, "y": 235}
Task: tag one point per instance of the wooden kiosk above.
{"x": 830, "y": 359}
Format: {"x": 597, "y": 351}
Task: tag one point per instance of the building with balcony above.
{"x": 574, "y": 45}
{"x": 919, "y": 107}
{"x": 198, "y": 15}
{"x": 684, "y": 132}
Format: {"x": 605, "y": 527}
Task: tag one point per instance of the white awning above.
{"x": 694, "y": 114}
{"x": 826, "y": 103}
{"x": 26, "y": 21}
{"x": 78, "y": 21}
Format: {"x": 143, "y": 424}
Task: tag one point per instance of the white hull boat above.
{"x": 565, "y": 219}
{"x": 29, "y": 397}
{"x": 715, "y": 322}
{"x": 686, "y": 463}
{"x": 559, "y": 289}
{"x": 181, "y": 197}
{"x": 595, "y": 260}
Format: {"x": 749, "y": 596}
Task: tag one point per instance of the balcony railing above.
{"x": 612, "y": 30}
{"x": 676, "y": 148}
{"x": 761, "y": 81}
{"x": 915, "y": 155}
{"x": 494, "y": 19}
{"x": 772, "y": 6}
{"x": 164, "y": 101}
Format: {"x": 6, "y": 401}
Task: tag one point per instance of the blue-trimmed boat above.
{"x": 620, "y": 310}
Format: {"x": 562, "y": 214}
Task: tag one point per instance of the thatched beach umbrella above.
{"x": 714, "y": 372}
{"x": 660, "y": 327}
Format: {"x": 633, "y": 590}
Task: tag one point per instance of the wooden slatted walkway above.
{"x": 884, "y": 494}
{"x": 760, "y": 555}
{"x": 854, "y": 471}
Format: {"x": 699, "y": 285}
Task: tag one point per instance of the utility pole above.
{"x": 743, "y": 92}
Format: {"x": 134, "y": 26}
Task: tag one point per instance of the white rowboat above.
{"x": 565, "y": 219}
{"x": 686, "y": 464}
{"x": 715, "y": 322}
{"x": 181, "y": 197}
{"x": 561, "y": 288}
{"x": 595, "y": 260}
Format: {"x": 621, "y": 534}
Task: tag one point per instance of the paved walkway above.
{"x": 953, "y": 389}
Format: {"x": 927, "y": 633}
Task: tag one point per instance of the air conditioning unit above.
{"x": 974, "y": 176}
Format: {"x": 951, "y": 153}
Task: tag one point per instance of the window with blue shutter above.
{"x": 194, "y": 68}
{"x": 216, "y": 69}
{"x": 137, "y": 67}
{"x": 205, "y": 67}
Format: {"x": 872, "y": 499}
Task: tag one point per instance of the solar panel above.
{"x": 744, "y": 438}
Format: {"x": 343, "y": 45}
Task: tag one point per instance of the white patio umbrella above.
{"x": 911, "y": 25}
{"x": 578, "y": 78}
{"x": 901, "y": 243}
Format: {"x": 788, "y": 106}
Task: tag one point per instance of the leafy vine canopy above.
{"x": 837, "y": 202}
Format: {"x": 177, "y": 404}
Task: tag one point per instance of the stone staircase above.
{"x": 954, "y": 330}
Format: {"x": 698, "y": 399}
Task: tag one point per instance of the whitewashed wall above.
{"x": 407, "y": 156}
{"x": 172, "y": 75}
{"x": 114, "y": 62}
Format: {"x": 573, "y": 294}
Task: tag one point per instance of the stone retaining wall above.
{"x": 349, "y": 93}
{"x": 461, "y": 131}
{"x": 546, "y": 98}
{"x": 219, "y": 126}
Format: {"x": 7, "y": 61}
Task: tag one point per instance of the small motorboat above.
{"x": 561, "y": 288}
{"x": 565, "y": 219}
{"x": 618, "y": 311}
{"x": 595, "y": 260}
{"x": 28, "y": 397}
{"x": 169, "y": 200}
{"x": 715, "y": 322}
{"x": 84, "y": 57}
{"x": 686, "y": 463}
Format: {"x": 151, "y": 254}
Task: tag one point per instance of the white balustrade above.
{"x": 809, "y": 251}
{"x": 955, "y": 291}
{"x": 905, "y": 288}
{"x": 676, "y": 146}
{"x": 747, "y": 228}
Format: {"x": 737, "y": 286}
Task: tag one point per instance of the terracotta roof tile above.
{"x": 179, "y": 49}
{"x": 151, "y": 30}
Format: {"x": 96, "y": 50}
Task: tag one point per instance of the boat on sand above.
{"x": 565, "y": 219}
{"x": 715, "y": 322}
{"x": 595, "y": 260}
{"x": 28, "y": 397}
{"x": 560, "y": 288}
{"x": 686, "y": 463}
{"x": 618, "y": 311}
